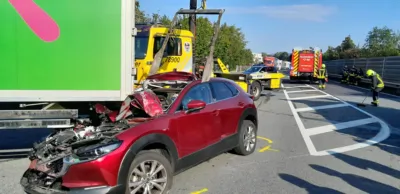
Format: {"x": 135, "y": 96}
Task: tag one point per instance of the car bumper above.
{"x": 34, "y": 189}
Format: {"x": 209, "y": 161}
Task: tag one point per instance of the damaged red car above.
{"x": 172, "y": 124}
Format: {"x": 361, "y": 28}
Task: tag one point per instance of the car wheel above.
{"x": 150, "y": 172}
{"x": 256, "y": 90}
{"x": 247, "y": 138}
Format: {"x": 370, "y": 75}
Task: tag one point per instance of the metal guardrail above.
{"x": 387, "y": 67}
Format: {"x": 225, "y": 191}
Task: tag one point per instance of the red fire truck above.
{"x": 305, "y": 63}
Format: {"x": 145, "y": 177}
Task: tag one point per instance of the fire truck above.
{"x": 305, "y": 63}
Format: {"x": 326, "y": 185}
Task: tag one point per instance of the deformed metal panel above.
{"x": 39, "y": 114}
{"x": 43, "y": 123}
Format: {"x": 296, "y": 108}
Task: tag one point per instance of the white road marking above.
{"x": 383, "y": 134}
{"x": 298, "y": 91}
{"x": 307, "y": 139}
{"x": 296, "y": 87}
{"x": 339, "y": 126}
{"x": 321, "y": 107}
{"x": 309, "y": 97}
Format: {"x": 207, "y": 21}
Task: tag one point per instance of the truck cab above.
{"x": 148, "y": 41}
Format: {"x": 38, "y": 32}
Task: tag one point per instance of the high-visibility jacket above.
{"x": 322, "y": 73}
{"x": 377, "y": 81}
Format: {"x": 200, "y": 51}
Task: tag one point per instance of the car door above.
{"x": 196, "y": 130}
{"x": 227, "y": 105}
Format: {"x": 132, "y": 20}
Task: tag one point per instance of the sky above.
{"x": 279, "y": 25}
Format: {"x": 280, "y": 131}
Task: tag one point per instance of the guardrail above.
{"x": 387, "y": 67}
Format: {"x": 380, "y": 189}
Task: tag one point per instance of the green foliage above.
{"x": 230, "y": 46}
{"x": 282, "y": 56}
{"x": 380, "y": 42}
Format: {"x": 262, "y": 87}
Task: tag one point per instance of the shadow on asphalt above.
{"x": 362, "y": 183}
{"x": 367, "y": 164}
{"x": 310, "y": 188}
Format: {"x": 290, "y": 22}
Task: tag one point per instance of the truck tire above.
{"x": 255, "y": 90}
{"x": 147, "y": 158}
{"x": 247, "y": 138}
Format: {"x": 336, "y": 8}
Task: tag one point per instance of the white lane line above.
{"x": 309, "y": 97}
{"x": 339, "y": 126}
{"x": 298, "y": 91}
{"x": 307, "y": 139}
{"x": 296, "y": 87}
{"x": 383, "y": 134}
{"x": 321, "y": 107}
{"x": 15, "y": 150}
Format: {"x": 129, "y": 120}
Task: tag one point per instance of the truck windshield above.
{"x": 141, "y": 43}
{"x": 252, "y": 69}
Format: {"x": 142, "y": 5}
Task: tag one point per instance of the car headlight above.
{"x": 242, "y": 78}
{"x": 92, "y": 152}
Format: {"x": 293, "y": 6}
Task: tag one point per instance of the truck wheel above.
{"x": 256, "y": 90}
{"x": 247, "y": 138}
{"x": 150, "y": 172}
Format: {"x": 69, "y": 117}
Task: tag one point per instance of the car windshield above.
{"x": 252, "y": 69}
{"x": 141, "y": 43}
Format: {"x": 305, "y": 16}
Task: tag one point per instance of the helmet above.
{"x": 323, "y": 65}
{"x": 370, "y": 72}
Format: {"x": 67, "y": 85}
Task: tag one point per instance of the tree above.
{"x": 282, "y": 56}
{"x": 382, "y": 42}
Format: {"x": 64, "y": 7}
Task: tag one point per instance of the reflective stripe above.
{"x": 381, "y": 84}
{"x": 321, "y": 73}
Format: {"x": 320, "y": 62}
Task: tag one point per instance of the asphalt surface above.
{"x": 336, "y": 148}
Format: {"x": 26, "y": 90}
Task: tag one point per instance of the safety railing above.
{"x": 387, "y": 67}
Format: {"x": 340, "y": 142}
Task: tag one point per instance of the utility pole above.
{"x": 192, "y": 28}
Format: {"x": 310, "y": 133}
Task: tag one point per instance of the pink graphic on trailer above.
{"x": 37, "y": 19}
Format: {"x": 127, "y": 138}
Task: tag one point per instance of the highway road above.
{"x": 310, "y": 141}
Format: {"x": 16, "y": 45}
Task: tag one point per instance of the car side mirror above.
{"x": 195, "y": 105}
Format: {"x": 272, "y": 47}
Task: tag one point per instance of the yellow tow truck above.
{"x": 254, "y": 80}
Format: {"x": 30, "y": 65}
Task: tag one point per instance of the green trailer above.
{"x": 64, "y": 51}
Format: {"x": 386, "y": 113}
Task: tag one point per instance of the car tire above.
{"x": 256, "y": 86}
{"x": 146, "y": 157}
{"x": 244, "y": 136}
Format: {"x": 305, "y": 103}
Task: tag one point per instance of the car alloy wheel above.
{"x": 149, "y": 177}
{"x": 249, "y": 138}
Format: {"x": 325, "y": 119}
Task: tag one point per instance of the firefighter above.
{"x": 376, "y": 85}
{"x": 352, "y": 78}
{"x": 345, "y": 74}
{"x": 322, "y": 76}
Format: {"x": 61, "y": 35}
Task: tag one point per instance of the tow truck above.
{"x": 254, "y": 80}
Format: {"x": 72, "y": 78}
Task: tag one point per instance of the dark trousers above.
{"x": 375, "y": 93}
{"x": 322, "y": 81}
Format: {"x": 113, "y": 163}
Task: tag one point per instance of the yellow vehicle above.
{"x": 253, "y": 80}
{"x": 177, "y": 55}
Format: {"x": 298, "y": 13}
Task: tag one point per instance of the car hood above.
{"x": 173, "y": 76}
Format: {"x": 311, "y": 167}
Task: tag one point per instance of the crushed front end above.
{"x": 86, "y": 158}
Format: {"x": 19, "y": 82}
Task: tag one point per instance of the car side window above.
{"x": 199, "y": 92}
{"x": 232, "y": 88}
{"x": 221, "y": 91}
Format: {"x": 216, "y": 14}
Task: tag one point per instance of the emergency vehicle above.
{"x": 305, "y": 63}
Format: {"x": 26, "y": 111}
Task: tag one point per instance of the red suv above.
{"x": 141, "y": 154}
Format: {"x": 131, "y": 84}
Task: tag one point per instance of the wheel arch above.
{"x": 248, "y": 114}
{"x": 148, "y": 142}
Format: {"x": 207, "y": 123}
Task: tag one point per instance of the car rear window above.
{"x": 221, "y": 91}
